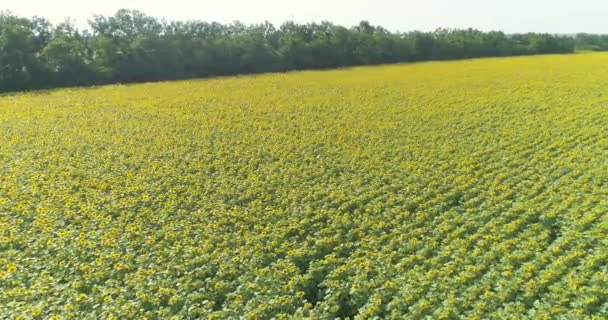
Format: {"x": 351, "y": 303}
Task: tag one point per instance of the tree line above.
{"x": 592, "y": 42}
{"x": 130, "y": 46}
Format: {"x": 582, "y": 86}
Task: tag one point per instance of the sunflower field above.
{"x": 444, "y": 190}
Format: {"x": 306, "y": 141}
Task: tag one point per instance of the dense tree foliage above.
{"x": 593, "y": 42}
{"x": 132, "y": 47}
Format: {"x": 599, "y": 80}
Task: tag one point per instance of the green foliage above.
{"x": 591, "y": 42}
{"x": 130, "y": 46}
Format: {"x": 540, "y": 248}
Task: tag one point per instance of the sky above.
{"x": 511, "y": 16}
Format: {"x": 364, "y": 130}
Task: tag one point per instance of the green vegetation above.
{"x": 591, "y": 42}
{"x": 469, "y": 189}
{"x": 133, "y": 47}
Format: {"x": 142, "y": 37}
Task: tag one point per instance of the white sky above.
{"x": 553, "y": 16}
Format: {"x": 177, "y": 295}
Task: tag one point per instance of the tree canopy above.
{"x": 131, "y": 46}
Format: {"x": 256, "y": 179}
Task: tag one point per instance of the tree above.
{"x": 21, "y": 40}
{"x": 67, "y": 57}
{"x": 130, "y": 46}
